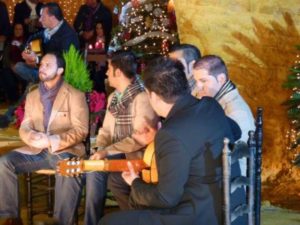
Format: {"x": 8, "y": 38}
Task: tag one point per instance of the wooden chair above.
{"x": 252, "y": 182}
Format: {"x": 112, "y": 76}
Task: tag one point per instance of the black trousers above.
{"x": 120, "y": 189}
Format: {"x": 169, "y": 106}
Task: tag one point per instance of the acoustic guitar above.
{"x": 34, "y": 46}
{"x": 147, "y": 166}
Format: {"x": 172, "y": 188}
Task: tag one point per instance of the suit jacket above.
{"x": 60, "y": 41}
{"x": 188, "y": 151}
{"x": 68, "y": 123}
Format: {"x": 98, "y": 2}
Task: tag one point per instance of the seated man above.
{"x": 128, "y": 109}
{"x": 57, "y": 36}
{"x": 54, "y": 126}
{"x": 212, "y": 80}
{"x": 188, "y": 150}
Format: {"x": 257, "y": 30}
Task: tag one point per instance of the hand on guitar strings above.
{"x": 130, "y": 175}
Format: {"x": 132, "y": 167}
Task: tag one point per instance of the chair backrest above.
{"x": 258, "y": 161}
{"x": 251, "y": 182}
{"x": 87, "y": 141}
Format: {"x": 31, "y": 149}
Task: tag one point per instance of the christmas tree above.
{"x": 293, "y": 106}
{"x": 146, "y": 27}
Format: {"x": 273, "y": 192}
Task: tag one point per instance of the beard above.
{"x": 46, "y": 77}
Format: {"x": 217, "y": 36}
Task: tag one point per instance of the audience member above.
{"x": 54, "y": 126}
{"x": 87, "y": 17}
{"x": 211, "y": 75}
{"x": 128, "y": 109}
{"x": 9, "y": 81}
{"x": 4, "y": 24}
{"x": 188, "y": 150}
{"x": 97, "y": 47}
{"x": 27, "y": 13}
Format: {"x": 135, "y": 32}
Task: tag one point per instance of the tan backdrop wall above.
{"x": 256, "y": 39}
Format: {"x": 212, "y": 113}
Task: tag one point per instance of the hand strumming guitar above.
{"x": 131, "y": 175}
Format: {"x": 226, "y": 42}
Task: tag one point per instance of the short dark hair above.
{"x": 60, "y": 61}
{"x": 54, "y": 10}
{"x": 213, "y": 64}
{"x": 166, "y": 78}
{"x": 124, "y": 61}
{"x": 190, "y": 52}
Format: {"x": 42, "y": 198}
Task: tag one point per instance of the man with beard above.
{"x": 54, "y": 126}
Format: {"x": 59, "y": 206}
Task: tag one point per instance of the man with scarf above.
{"x": 89, "y": 14}
{"x": 128, "y": 109}
{"x": 188, "y": 149}
{"x": 211, "y": 75}
{"x": 54, "y": 127}
{"x": 57, "y": 36}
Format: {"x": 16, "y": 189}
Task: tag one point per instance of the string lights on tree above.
{"x": 293, "y": 106}
{"x": 145, "y": 28}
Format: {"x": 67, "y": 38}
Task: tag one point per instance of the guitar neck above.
{"x": 118, "y": 165}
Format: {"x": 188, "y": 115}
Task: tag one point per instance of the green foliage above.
{"x": 76, "y": 72}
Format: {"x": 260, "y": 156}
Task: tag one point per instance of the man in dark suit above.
{"x": 57, "y": 36}
{"x": 188, "y": 150}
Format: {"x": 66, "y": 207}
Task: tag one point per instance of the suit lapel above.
{"x": 58, "y": 102}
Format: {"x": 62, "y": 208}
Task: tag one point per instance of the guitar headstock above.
{"x": 70, "y": 167}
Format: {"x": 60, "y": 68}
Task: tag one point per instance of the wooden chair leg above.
{"x": 29, "y": 199}
{"x": 50, "y": 196}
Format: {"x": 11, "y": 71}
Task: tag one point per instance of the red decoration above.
{"x": 135, "y": 3}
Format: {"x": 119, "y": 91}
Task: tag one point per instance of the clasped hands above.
{"x": 39, "y": 140}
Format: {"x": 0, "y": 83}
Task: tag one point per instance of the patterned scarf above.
{"x": 227, "y": 87}
{"x": 120, "y": 109}
{"x": 47, "y": 99}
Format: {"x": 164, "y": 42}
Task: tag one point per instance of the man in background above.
{"x": 187, "y": 54}
{"x": 88, "y": 15}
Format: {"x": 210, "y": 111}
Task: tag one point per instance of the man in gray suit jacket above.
{"x": 188, "y": 150}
